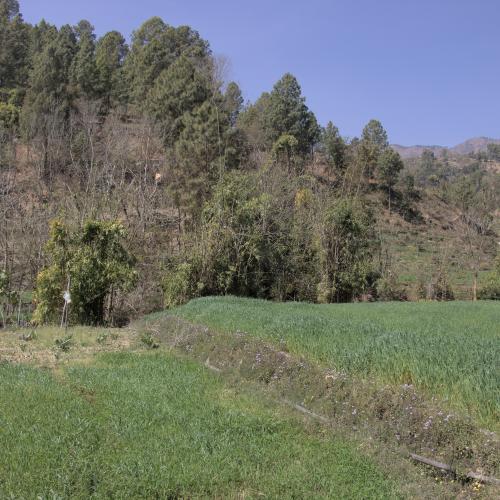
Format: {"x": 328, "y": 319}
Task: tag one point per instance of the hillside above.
{"x": 470, "y": 146}
{"x": 135, "y": 177}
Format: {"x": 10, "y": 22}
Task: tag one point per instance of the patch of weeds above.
{"x": 149, "y": 340}
{"x": 30, "y": 336}
{"x": 64, "y": 344}
{"x": 102, "y": 338}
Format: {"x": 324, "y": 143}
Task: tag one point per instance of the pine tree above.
{"x": 200, "y": 153}
{"x": 287, "y": 114}
{"x": 389, "y": 166}
{"x": 233, "y": 102}
{"x": 111, "y": 51}
{"x": 373, "y": 143}
{"x": 83, "y": 72}
{"x": 155, "y": 46}
{"x": 49, "y": 77}
{"x": 14, "y": 46}
{"x": 177, "y": 92}
{"x": 334, "y": 146}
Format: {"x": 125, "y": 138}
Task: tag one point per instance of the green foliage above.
{"x": 233, "y": 102}
{"x": 285, "y": 152}
{"x": 83, "y": 71}
{"x": 155, "y": 46}
{"x": 95, "y": 262}
{"x": 9, "y": 116}
{"x": 335, "y": 147}
{"x": 373, "y": 143}
{"x": 14, "y": 46}
{"x": 64, "y": 344}
{"x": 150, "y": 340}
{"x": 237, "y": 248}
{"x": 288, "y": 114}
{"x": 4, "y": 284}
{"x": 347, "y": 244}
{"x": 49, "y": 92}
{"x": 277, "y": 243}
{"x": 9, "y": 9}
{"x": 389, "y": 289}
{"x": 179, "y": 284}
{"x": 389, "y": 166}
{"x": 491, "y": 287}
{"x": 111, "y": 51}
{"x": 282, "y": 112}
{"x": 177, "y": 92}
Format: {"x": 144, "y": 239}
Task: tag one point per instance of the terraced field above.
{"x": 201, "y": 402}
{"x": 450, "y": 350}
{"x": 131, "y": 425}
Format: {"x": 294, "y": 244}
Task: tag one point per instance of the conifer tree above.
{"x": 287, "y": 114}
{"x": 335, "y": 147}
{"x": 83, "y": 73}
{"x": 111, "y": 51}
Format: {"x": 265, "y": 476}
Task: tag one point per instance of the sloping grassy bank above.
{"x": 449, "y": 350}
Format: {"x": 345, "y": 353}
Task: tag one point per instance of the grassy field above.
{"x": 450, "y": 350}
{"x": 150, "y": 425}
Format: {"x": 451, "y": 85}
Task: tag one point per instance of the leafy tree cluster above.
{"x": 95, "y": 265}
{"x": 262, "y": 237}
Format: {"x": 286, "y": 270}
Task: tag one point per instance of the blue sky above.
{"x": 428, "y": 69}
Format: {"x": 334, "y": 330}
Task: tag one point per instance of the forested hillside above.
{"x": 134, "y": 174}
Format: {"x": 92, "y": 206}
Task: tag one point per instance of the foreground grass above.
{"x": 153, "y": 426}
{"x": 450, "y": 350}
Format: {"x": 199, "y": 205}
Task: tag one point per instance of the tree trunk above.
{"x": 474, "y": 287}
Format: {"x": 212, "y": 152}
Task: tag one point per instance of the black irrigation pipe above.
{"x": 448, "y": 468}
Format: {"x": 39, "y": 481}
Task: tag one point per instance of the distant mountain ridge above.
{"x": 474, "y": 145}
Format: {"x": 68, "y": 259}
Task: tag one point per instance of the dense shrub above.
{"x": 491, "y": 288}
{"x": 95, "y": 264}
{"x": 346, "y": 250}
{"x": 388, "y": 289}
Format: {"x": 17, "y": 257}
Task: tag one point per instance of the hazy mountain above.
{"x": 474, "y": 145}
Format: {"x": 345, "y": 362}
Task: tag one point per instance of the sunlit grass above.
{"x": 153, "y": 426}
{"x": 450, "y": 350}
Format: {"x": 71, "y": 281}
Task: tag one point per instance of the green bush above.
{"x": 180, "y": 284}
{"x": 9, "y": 116}
{"x": 388, "y": 289}
{"x": 94, "y": 262}
{"x": 491, "y": 288}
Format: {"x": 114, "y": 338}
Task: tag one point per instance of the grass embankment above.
{"x": 449, "y": 350}
{"x": 129, "y": 425}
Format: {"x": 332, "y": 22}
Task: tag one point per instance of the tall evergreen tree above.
{"x": 177, "y": 92}
{"x": 9, "y": 9}
{"x": 233, "y": 102}
{"x": 41, "y": 35}
{"x": 14, "y": 46}
{"x": 335, "y": 147}
{"x": 111, "y": 51}
{"x": 50, "y": 75}
{"x": 374, "y": 142}
{"x": 83, "y": 72}
{"x": 155, "y": 46}
{"x": 389, "y": 166}
{"x": 287, "y": 114}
